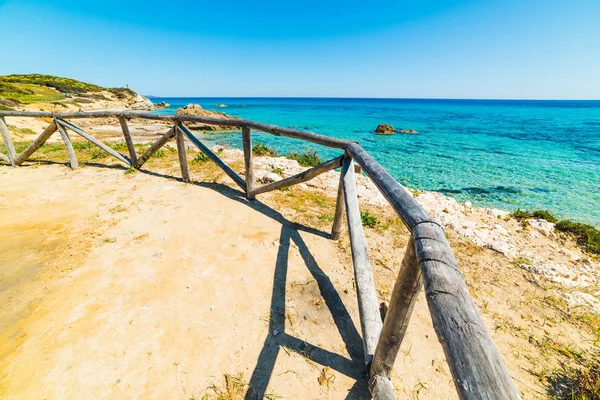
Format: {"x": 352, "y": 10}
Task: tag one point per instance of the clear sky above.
{"x": 537, "y": 49}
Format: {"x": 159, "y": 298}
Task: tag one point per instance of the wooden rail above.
{"x": 475, "y": 363}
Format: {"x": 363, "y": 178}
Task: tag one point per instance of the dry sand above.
{"x": 140, "y": 286}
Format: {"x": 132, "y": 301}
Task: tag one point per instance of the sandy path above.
{"x": 136, "y": 286}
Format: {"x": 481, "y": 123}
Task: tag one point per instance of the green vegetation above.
{"x": 83, "y": 145}
{"x": 119, "y": 146}
{"x": 278, "y": 171}
{"x": 587, "y": 236}
{"x": 200, "y": 158}
{"x": 33, "y": 88}
{"x": 261, "y": 149}
{"x": 158, "y": 154}
{"x": 580, "y": 381}
{"x": 368, "y": 219}
{"x": 97, "y": 152}
{"x": 538, "y": 214}
{"x": 309, "y": 158}
{"x": 21, "y": 131}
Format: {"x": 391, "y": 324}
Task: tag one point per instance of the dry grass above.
{"x": 234, "y": 387}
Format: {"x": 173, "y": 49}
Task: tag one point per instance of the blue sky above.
{"x": 537, "y": 49}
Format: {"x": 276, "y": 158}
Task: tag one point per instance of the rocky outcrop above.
{"x": 384, "y": 129}
{"x": 196, "y": 109}
{"x": 141, "y": 103}
{"x": 162, "y": 104}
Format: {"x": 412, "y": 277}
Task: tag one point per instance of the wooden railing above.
{"x": 475, "y": 363}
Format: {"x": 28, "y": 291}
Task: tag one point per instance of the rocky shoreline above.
{"x": 548, "y": 255}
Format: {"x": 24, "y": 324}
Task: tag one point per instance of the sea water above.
{"x": 506, "y": 154}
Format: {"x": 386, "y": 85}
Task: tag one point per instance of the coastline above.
{"x": 520, "y": 277}
{"x": 538, "y": 248}
{"x": 507, "y": 155}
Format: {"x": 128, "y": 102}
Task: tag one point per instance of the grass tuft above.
{"x": 578, "y": 379}
{"x": 538, "y": 214}
{"x": 200, "y": 158}
{"x": 261, "y": 149}
{"x": 368, "y": 219}
{"x": 309, "y": 158}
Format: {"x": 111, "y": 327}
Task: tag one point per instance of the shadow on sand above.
{"x": 290, "y": 232}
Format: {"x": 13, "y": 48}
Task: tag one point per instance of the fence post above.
{"x": 185, "y": 171}
{"x": 368, "y": 308}
{"x": 129, "y": 141}
{"x": 248, "y": 161}
{"x": 336, "y": 229}
{"x": 404, "y": 296}
{"x": 67, "y": 141}
{"x": 8, "y": 143}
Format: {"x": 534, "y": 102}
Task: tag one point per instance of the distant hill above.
{"x": 16, "y": 90}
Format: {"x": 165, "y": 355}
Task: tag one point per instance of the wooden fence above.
{"x": 476, "y": 366}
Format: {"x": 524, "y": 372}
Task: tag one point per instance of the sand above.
{"x": 118, "y": 285}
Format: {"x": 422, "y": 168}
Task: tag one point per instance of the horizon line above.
{"x": 364, "y": 98}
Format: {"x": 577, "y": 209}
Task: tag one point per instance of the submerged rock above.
{"x": 408, "y": 131}
{"x": 384, "y": 129}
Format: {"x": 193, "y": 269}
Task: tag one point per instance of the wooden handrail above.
{"x": 475, "y": 363}
{"x": 233, "y": 122}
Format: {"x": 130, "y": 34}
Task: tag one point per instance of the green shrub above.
{"x": 261, "y": 149}
{"x": 586, "y": 235}
{"x": 158, "y": 154}
{"x": 98, "y": 153}
{"x": 368, "y": 219}
{"x": 200, "y": 158}
{"x": 539, "y": 214}
{"x": 309, "y": 158}
{"x": 119, "y": 146}
{"x": 544, "y": 214}
{"x": 83, "y": 145}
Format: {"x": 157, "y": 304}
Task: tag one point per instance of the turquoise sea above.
{"x": 507, "y": 154}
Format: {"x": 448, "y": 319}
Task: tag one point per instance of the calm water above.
{"x": 504, "y": 154}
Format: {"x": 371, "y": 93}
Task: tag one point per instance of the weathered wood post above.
{"x": 226, "y": 168}
{"x": 67, "y": 141}
{"x": 92, "y": 139}
{"x": 179, "y": 138}
{"x": 473, "y": 358}
{"x": 129, "y": 141}
{"x": 37, "y": 143}
{"x": 338, "y": 217}
{"x": 155, "y": 147}
{"x": 368, "y": 308}
{"x": 248, "y": 161}
{"x": 404, "y": 297}
{"x": 8, "y": 143}
{"x": 299, "y": 178}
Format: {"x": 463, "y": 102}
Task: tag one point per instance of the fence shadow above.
{"x": 353, "y": 367}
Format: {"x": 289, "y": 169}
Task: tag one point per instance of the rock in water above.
{"x": 408, "y": 131}
{"x": 384, "y": 129}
